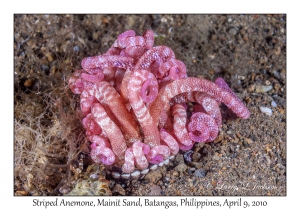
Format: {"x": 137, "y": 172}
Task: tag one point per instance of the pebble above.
{"x": 267, "y": 82}
{"x": 179, "y": 159}
{"x": 119, "y": 189}
{"x": 229, "y": 132}
{"x": 45, "y": 68}
{"x": 216, "y": 157}
{"x": 263, "y": 88}
{"x": 276, "y": 74}
{"x": 192, "y": 169}
{"x": 273, "y": 103}
{"x": 76, "y": 49}
{"x": 181, "y": 168}
{"x": 28, "y": 83}
{"x": 241, "y": 77}
{"x": 175, "y": 173}
{"x": 214, "y": 183}
{"x": 211, "y": 72}
{"x": 282, "y": 74}
{"x": 251, "y": 88}
{"x": 218, "y": 139}
{"x": 196, "y": 164}
{"x": 200, "y": 173}
{"x": 94, "y": 176}
{"x": 277, "y": 86}
{"x": 277, "y": 50}
{"x": 196, "y": 156}
{"x": 153, "y": 176}
{"x": 249, "y": 141}
{"x": 49, "y": 57}
{"x": 21, "y": 193}
{"x": 166, "y": 179}
{"x": 187, "y": 156}
{"x": 232, "y": 31}
{"x": 266, "y": 110}
{"x": 155, "y": 190}
{"x": 245, "y": 37}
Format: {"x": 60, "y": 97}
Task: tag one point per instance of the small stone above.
{"x": 153, "y": 176}
{"x": 267, "y": 82}
{"x": 175, "y": 173}
{"x": 94, "y": 176}
{"x": 119, "y": 189}
{"x": 266, "y": 110}
{"x": 179, "y": 159}
{"x": 281, "y": 111}
{"x": 277, "y": 86}
{"x": 232, "y": 31}
{"x": 277, "y": 50}
{"x": 21, "y": 193}
{"x": 45, "y": 67}
{"x": 166, "y": 179}
{"x": 249, "y": 141}
{"x": 196, "y": 157}
{"x": 245, "y": 37}
{"x": 155, "y": 190}
{"x": 105, "y": 20}
{"x": 218, "y": 139}
{"x": 282, "y": 74}
{"x": 214, "y": 183}
{"x": 216, "y": 157}
{"x": 196, "y": 164}
{"x": 189, "y": 171}
{"x": 49, "y": 57}
{"x": 187, "y": 156}
{"x": 263, "y": 59}
{"x": 200, "y": 173}
{"x": 251, "y": 88}
{"x": 276, "y": 74}
{"x": 76, "y": 49}
{"x": 253, "y": 75}
{"x": 54, "y": 69}
{"x": 241, "y": 77}
{"x": 192, "y": 169}
{"x": 263, "y": 88}
{"x": 211, "y": 72}
{"x": 28, "y": 83}
{"x": 273, "y": 103}
{"x": 181, "y": 168}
